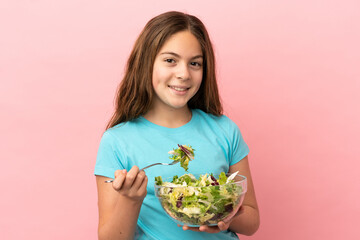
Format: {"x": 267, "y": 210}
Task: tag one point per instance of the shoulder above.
{"x": 120, "y": 131}
{"x": 221, "y": 121}
{"x": 123, "y": 127}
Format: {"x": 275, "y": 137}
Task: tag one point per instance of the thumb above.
{"x": 119, "y": 172}
{"x": 119, "y": 179}
{"x": 223, "y": 226}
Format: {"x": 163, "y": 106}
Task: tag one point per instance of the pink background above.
{"x": 288, "y": 74}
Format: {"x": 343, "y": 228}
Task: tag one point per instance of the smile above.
{"x": 180, "y": 89}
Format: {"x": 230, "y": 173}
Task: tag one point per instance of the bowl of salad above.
{"x": 201, "y": 199}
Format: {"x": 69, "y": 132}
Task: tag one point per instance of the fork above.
{"x": 154, "y": 164}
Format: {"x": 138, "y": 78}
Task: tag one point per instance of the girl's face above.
{"x": 178, "y": 71}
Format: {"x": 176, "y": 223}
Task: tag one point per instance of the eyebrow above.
{"x": 178, "y": 56}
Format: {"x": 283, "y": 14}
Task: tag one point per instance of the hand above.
{"x": 132, "y": 184}
{"x": 222, "y": 225}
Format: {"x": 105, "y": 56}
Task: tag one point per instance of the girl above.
{"x": 168, "y": 96}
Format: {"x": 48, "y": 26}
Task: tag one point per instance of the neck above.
{"x": 170, "y": 118}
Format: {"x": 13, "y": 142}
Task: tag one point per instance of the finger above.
{"x": 223, "y": 226}
{"x": 196, "y": 229}
{"x": 208, "y": 229}
{"x": 138, "y": 180}
{"x": 130, "y": 177}
{"x": 142, "y": 188}
{"x": 120, "y": 176}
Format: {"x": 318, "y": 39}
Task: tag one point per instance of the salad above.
{"x": 184, "y": 154}
{"x": 205, "y": 200}
{"x": 202, "y": 200}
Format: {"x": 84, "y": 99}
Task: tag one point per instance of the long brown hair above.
{"x": 135, "y": 93}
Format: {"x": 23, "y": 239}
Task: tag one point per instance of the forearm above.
{"x": 247, "y": 222}
{"x": 121, "y": 225}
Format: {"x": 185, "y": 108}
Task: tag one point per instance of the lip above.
{"x": 179, "y": 90}
{"x": 178, "y": 86}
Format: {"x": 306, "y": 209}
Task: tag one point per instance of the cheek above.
{"x": 155, "y": 78}
{"x": 198, "y": 79}
{"x": 159, "y": 76}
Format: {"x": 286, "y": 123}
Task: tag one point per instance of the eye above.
{"x": 169, "y": 60}
{"x": 196, "y": 64}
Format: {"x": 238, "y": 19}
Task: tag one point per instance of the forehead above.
{"x": 183, "y": 43}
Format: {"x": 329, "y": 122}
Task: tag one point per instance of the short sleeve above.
{"x": 108, "y": 158}
{"x": 239, "y": 148}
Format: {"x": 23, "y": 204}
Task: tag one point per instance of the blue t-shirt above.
{"x": 218, "y": 144}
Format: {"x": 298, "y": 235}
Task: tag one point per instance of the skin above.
{"x": 126, "y": 192}
{"x": 177, "y": 76}
{"x": 247, "y": 219}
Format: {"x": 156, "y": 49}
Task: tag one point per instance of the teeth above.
{"x": 179, "y": 89}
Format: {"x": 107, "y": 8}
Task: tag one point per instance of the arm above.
{"x": 119, "y": 203}
{"x": 247, "y": 219}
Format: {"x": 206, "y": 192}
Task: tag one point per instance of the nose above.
{"x": 183, "y": 72}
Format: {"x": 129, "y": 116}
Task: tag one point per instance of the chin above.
{"x": 178, "y": 106}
